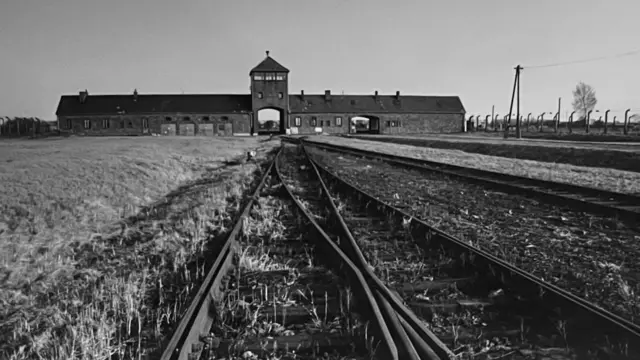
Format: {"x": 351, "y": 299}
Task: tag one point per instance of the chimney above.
{"x": 302, "y": 94}
{"x": 135, "y": 95}
{"x": 83, "y": 96}
{"x": 327, "y": 95}
{"x": 397, "y": 95}
{"x": 376, "y": 95}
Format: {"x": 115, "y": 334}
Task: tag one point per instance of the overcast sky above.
{"x": 466, "y": 48}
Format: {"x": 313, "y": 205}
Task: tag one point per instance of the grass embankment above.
{"x": 606, "y": 156}
{"x": 604, "y": 178}
{"x": 102, "y": 240}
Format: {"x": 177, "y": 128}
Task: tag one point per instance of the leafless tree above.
{"x": 584, "y": 99}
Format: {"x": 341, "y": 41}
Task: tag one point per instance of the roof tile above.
{"x": 111, "y": 104}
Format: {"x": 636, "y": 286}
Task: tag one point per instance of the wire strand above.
{"x": 629, "y": 53}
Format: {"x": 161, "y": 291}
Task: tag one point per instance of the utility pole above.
{"x": 557, "y": 123}
{"x": 516, "y": 81}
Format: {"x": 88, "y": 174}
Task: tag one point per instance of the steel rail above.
{"x": 425, "y": 342}
{"x": 187, "y": 341}
{"x": 608, "y": 324}
{"x": 624, "y": 206}
{"x": 387, "y": 338}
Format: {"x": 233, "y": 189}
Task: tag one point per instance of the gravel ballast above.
{"x": 592, "y": 256}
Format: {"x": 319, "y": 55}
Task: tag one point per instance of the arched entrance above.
{"x": 364, "y": 124}
{"x": 270, "y": 121}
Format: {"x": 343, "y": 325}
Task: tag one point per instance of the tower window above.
{"x": 280, "y": 77}
{"x": 258, "y": 77}
{"x": 280, "y": 95}
{"x": 260, "y": 95}
{"x": 268, "y": 76}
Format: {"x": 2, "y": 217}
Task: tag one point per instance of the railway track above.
{"x": 274, "y": 292}
{"x": 282, "y": 288}
{"x": 295, "y": 279}
{"x": 487, "y": 296}
{"x": 624, "y": 206}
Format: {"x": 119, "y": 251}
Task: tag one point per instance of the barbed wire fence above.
{"x": 622, "y": 120}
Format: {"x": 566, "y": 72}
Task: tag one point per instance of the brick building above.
{"x": 239, "y": 114}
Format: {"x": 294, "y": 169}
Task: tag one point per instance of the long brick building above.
{"x": 238, "y": 114}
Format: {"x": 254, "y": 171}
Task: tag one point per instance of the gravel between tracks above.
{"x": 592, "y": 256}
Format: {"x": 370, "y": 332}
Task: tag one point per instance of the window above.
{"x": 280, "y": 77}
{"x": 87, "y": 123}
{"x": 268, "y": 76}
{"x": 398, "y": 123}
{"x": 258, "y": 77}
{"x": 167, "y": 119}
{"x": 220, "y": 127}
{"x": 259, "y": 95}
{"x": 205, "y": 118}
{"x": 130, "y": 124}
{"x": 69, "y": 124}
{"x": 326, "y": 123}
{"x": 338, "y": 121}
{"x": 145, "y": 123}
{"x": 122, "y": 124}
{"x": 280, "y": 95}
{"x": 353, "y": 102}
{"x": 186, "y": 118}
{"x": 388, "y": 123}
{"x": 105, "y": 123}
{"x": 297, "y": 121}
{"x": 224, "y": 118}
{"x": 393, "y": 124}
{"x": 314, "y": 121}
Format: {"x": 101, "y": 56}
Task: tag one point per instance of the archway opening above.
{"x": 365, "y": 124}
{"x": 270, "y": 121}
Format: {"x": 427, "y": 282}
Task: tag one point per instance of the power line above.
{"x": 630, "y": 53}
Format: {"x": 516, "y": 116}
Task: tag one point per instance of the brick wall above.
{"x": 271, "y": 91}
{"x": 196, "y": 124}
{"x": 408, "y": 123}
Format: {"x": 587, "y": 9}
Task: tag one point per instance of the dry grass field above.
{"x": 605, "y": 178}
{"x": 103, "y": 240}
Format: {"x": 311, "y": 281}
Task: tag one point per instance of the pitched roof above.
{"x": 369, "y": 104}
{"x": 111, "y": 104}
{"x": 268, "y": 64}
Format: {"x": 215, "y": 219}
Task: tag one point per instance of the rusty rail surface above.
{"x": 601, "y": 323}
{"x": 624, "y": 206}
